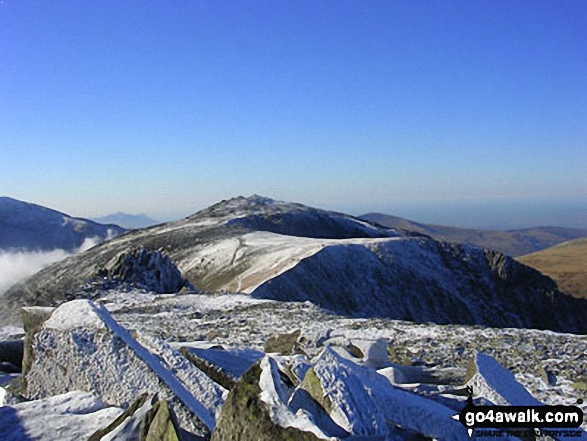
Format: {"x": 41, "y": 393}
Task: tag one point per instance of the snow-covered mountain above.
{"x": 290, "y": 252}
{"x": 126, "y": 220}
{"x": 25, "y": 226}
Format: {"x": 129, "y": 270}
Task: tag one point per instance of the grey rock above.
{"x": 244, "y": 417}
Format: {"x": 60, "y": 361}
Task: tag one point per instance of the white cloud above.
{"x": 16, "y": 266}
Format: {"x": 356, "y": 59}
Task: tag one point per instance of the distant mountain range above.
{"x": 128, "y": 221}
{"x": 25, "y": 226}
{"x": 290, "y": 252}
{"x": 512, "y": 242}
{"x": 566, "y": 263}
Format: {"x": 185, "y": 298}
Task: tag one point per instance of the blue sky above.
{"x": 411, "y": 108}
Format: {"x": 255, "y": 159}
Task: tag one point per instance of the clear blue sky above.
{"x": 165, "y": 107}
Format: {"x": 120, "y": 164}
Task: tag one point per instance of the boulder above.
{"x": 81, "y": 347}
{"x": 286, "y": 344}
{"x": 245, "y": 417}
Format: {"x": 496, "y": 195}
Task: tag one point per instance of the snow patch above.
{"x": 68, "y": 417}
{"x": 75, "y": 314}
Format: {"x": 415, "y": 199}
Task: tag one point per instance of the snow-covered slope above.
{"x": 25, "y": 226}
{"x": 422, "y": 280}
{"x": 286, "y": 251}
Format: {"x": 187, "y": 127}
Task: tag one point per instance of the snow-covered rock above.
{"x": 364, "y": 402}
{"x": 148, "y": 270}
{"x": 246, "y": 417}
{"x": 71, "y": 416}
{"x": 81, "y": 347}
{"x": 496, "y": 384}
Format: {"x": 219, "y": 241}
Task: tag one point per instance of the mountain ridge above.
{"x": 28, "y": 226}
{"x": 516, "y": 242}
{"x": 267, "y": 248}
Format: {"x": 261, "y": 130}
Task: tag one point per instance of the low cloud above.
{"x": 16, "y": 266}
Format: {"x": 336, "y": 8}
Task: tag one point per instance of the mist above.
{"x": 16, "y": 266}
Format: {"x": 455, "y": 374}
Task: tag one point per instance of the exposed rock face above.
{"x": 147, "y": 419}
{"x": 32, "y": 319}
{"x": 149, "y": 270}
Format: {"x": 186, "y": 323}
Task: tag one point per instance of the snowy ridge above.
{"x": 248, "y": 261}
{"x": 422, "y": 280}
{"x": 289, "y": 252}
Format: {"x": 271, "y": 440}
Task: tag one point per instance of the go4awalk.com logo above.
{"x": 554, "y": 421}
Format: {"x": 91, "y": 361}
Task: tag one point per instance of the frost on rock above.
{"x": 92, "y": 352}
{"x": 149, "y": 270}
{"x": 364, "y": 402}
{"x": 246, "y": 417}
{"x": 71, "y": 416}
{"x": 498, "y": 385}
{"x": 274, "y": 393}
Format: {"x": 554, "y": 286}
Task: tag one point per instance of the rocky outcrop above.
{"x": 146, "y": 419}
{"x": 493, "y": 382}
{"x": 143, "y": 269}
{"x": 80, "y": 347}
{"x": 286, "y": 344}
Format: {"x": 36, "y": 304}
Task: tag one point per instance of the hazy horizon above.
{"x": 497, "y": 214}
{"x": 465, "y": 113}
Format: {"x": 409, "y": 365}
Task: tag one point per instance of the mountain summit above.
{"x": 290, "y": 252}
